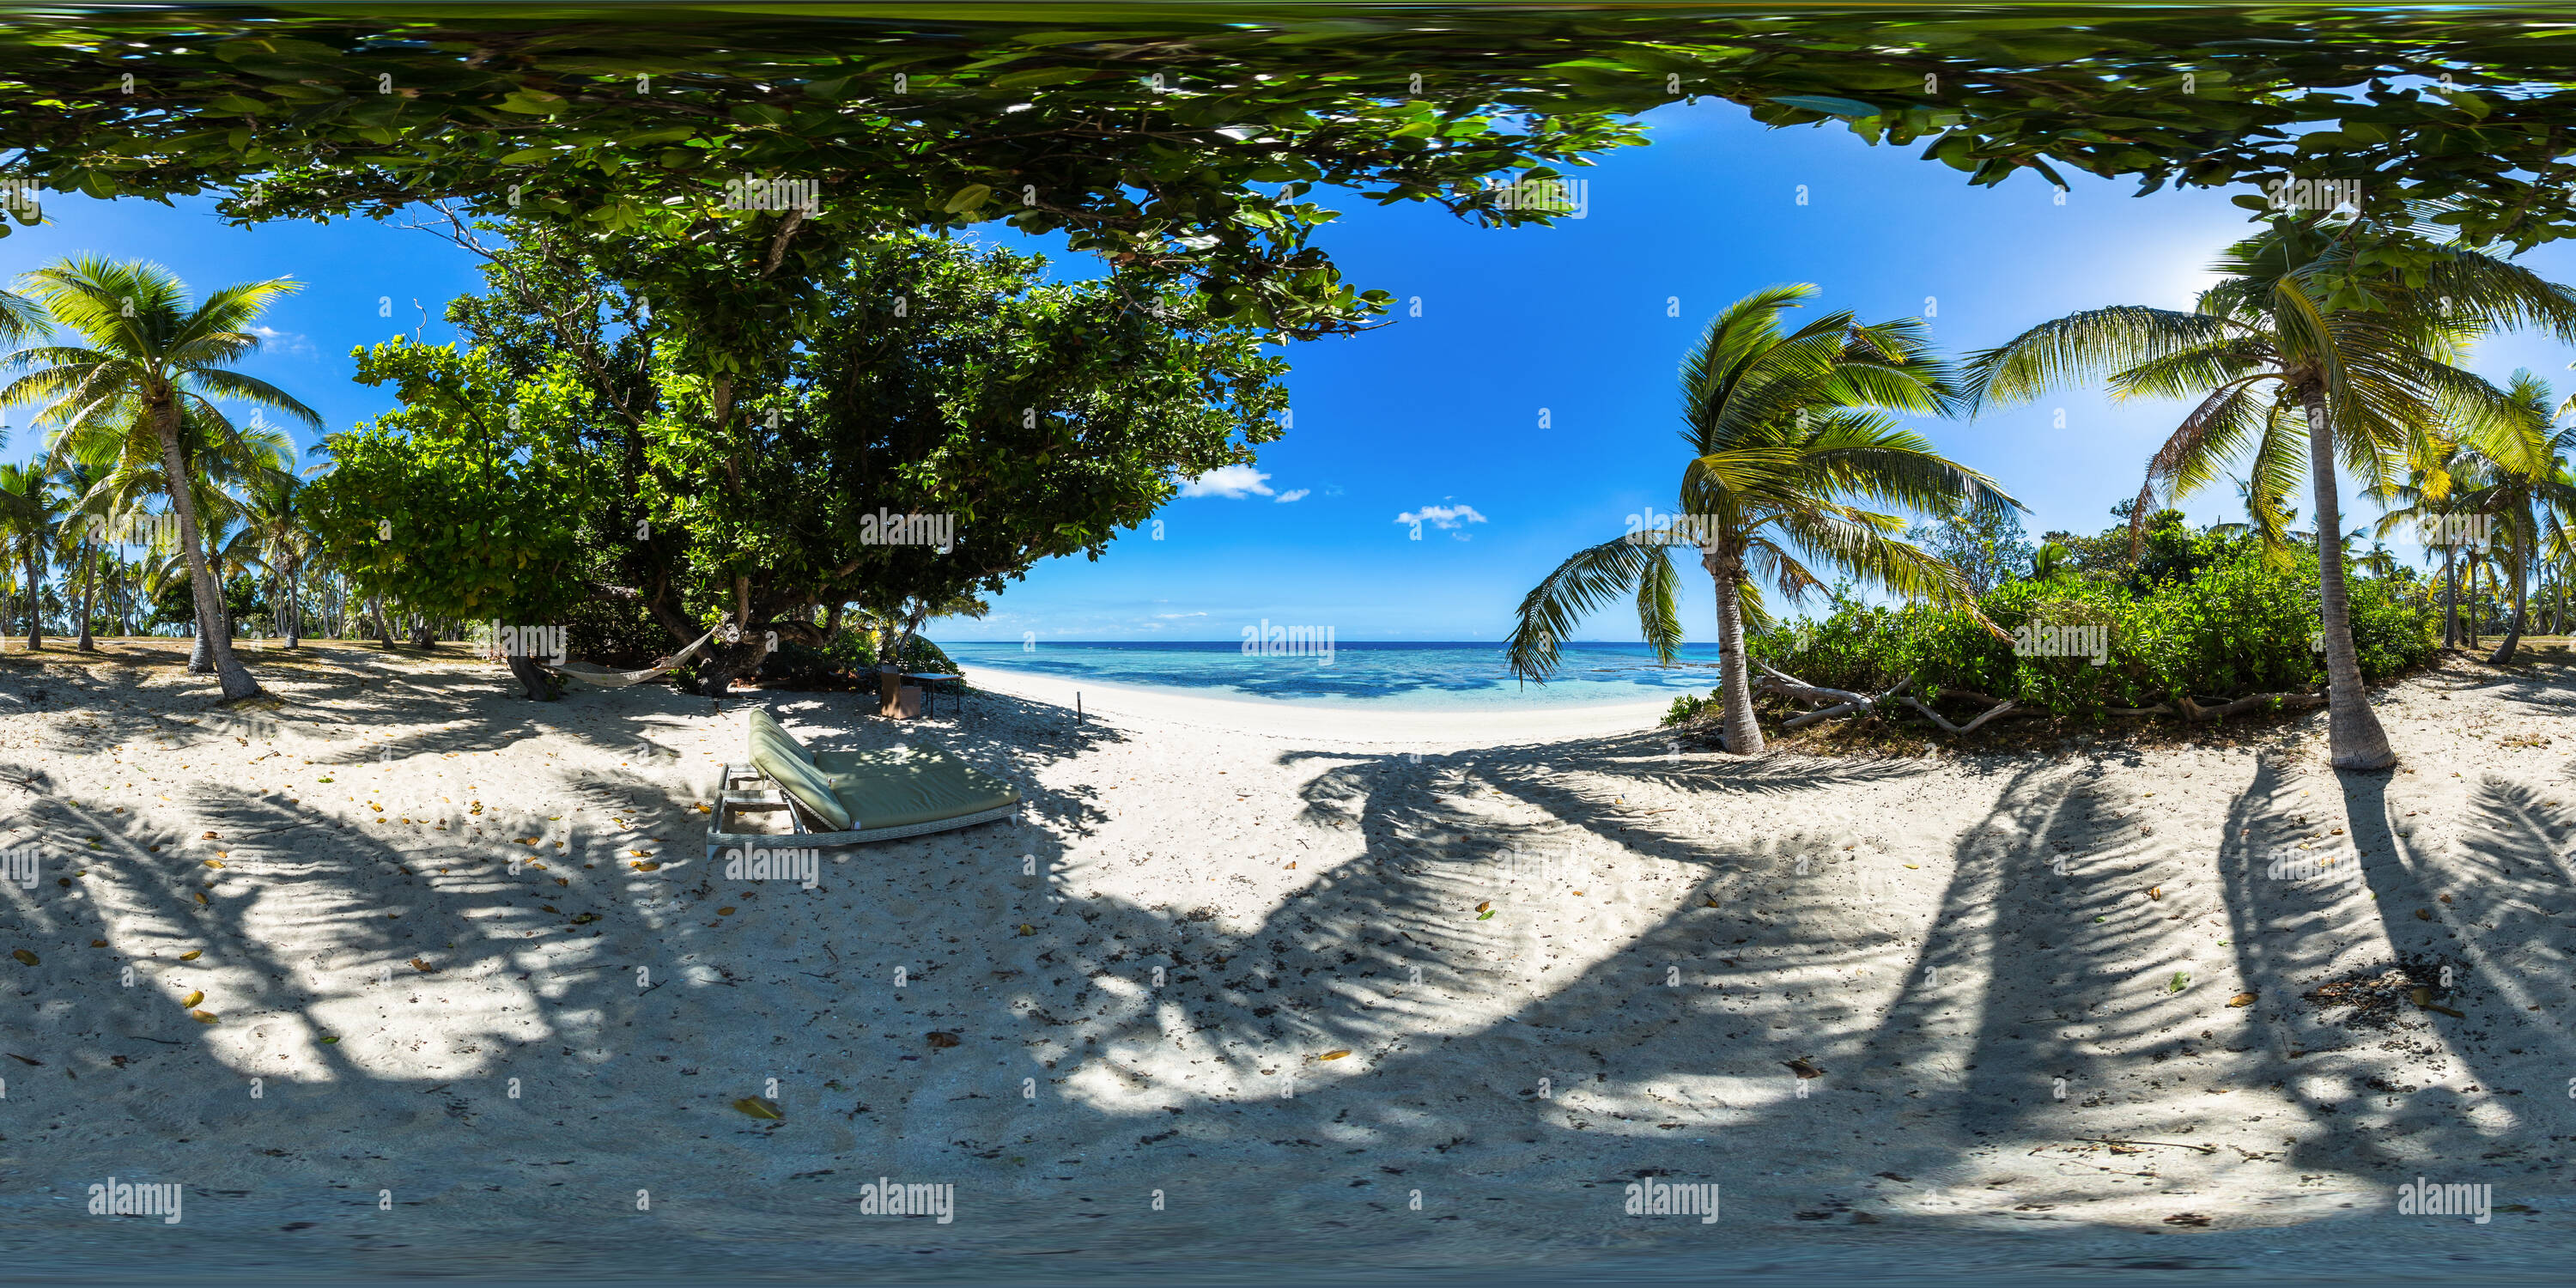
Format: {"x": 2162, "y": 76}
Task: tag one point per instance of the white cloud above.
{"x": 1230, "y": 481}
{"x": 293, "y": 344}
{"x": 1295, "y": 494}
{"x": 1177, "y": 616}
{"x": 1442, "y": 516}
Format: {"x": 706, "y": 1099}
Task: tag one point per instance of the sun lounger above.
{"x": 787, "y": 795}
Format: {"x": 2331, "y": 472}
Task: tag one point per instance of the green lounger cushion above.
{"x": 775, "y": 752}
{"x": 902, "y": 786}
{"x": 767, "y": 732}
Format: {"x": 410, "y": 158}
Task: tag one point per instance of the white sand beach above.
{"x": 470, "y": 987}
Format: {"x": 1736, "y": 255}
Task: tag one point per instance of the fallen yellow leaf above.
{"x": 214, "y": 863}
{"x": 2241, "y": 999}
{"x": 193, "y": 998}
{"x": 1332, "y": 1055}
{"x": 202, "y": 1017}
{"x": 27, "y": 958}
{"x": 192, "y": 954}
{"x": 760, "y": 1108}
{"x": 724, "y": 912}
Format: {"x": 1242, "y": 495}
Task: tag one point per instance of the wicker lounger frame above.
{"x": 767, "y": 792}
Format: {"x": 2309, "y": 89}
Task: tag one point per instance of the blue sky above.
{"x": 1440, "y": 415}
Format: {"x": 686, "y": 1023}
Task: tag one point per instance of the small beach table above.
{"x": 926, "y": 679}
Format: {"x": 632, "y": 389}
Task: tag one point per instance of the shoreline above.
{"x": 1352, "y": 724}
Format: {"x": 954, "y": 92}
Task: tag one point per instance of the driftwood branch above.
{"x": 2005, "y": 707}
{"x": 2289, "y": 701}
{"x": 1845, "y": 702}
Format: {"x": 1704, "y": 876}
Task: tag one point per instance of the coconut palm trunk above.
{"x": 2353, "y": 732}
{"x": 294, "y": 612}
{"x": 230, "y": 675}
{"x": 1734, "y": 673}
{"x": 35, "y": 596}
{"x": 2521, "y": 564}
{"x": 2450, "y": 595}
{"x": 89, "y": 594}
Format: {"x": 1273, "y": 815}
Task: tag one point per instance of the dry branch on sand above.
{"x": 1830, "y": 703}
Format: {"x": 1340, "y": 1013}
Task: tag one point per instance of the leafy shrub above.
{"x": 1689, "y": 707}
{"x": 2223, "y": 622}
{"x": 846, "y": 663}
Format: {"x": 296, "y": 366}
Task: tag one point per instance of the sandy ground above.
{"x": 1225, "y": 998}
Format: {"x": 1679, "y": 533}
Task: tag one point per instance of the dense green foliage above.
{"x": 1141, "y": 125}
{"x": 2228, "y": 623}
{"x": 625, "y": 428}
{"x": 464, "y": 501}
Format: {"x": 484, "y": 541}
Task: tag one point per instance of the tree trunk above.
{"x": 535, "y": 681}
{"x": 294, "y": 613}
{"x": 35, "y": 597}
{"x": 89, "y": 598}
{"x": 423, "y": 634}
{"x": 201, "y": 654}
{"x": 726, "y": 661}
{"x": 832, "y": 625}
{"x": 230, "y": 675}
{"x": 1734, "y": 676}
{"x": 2477, "y": 587}
{"x": 376, "y": 614}
{"x": 2450, "y": 595}
{"x": 2354, "y": 735}
{"x": 2521, "y": 574}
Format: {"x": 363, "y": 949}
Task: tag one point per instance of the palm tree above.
{"x": 32, "y": 510}
{"x": 1790, "y": 443}
{"x": 149, "y": 360}
{"x": 81, "y": 532}
{"x": 271, "y": 506}
{"x": 130, "y": 474}
{"x": 2440, "y": 472}
{"x": 2299, "y": 335}
{"x": 2524, "y": 456}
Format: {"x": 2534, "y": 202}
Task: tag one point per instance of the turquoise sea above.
{"x": 1429, "y": 676}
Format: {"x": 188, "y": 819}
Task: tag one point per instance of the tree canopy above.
{"x": 576, "y": 451}
{"x": 1164, "y": 134}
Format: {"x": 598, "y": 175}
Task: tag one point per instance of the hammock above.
{"x": 608, "y": 679}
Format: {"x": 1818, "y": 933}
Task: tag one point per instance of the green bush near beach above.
{"x": 2208, "y": 616}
